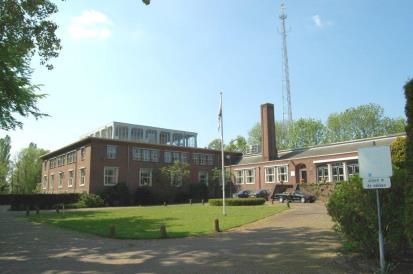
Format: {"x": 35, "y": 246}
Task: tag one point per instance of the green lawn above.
{"x": 144, "y": 222}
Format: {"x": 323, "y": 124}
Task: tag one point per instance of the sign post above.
{"x": 376, "y": 170}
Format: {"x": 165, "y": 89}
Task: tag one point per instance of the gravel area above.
{"x": 299, "y": 240}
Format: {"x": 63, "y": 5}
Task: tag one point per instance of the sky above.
{"x": 164, "y": 64}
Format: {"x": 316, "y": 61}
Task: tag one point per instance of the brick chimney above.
{"x": 269, "y": 148}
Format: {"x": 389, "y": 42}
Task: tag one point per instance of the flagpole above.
{"x": 222, "y": 159}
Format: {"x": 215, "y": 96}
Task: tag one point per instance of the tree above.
{"x": 254, "y": 135}
{"x": 305, "y": 133}
{"x": 215, "y": 144}
{"x": 176, "y": 172}
{"x": 25, "y": 30}
{"x": 361, "y": 122}
{"x": 4, "y": 162}
{"x": 398, "y": 152}
{"x": 27, "y": 171}
{"x": 239, "y": 144}
{"x": 408, "y": 91}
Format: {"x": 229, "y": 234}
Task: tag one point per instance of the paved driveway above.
{"x": 299, "y": 240}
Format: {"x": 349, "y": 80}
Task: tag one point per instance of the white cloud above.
{"x": 317, "y": 21}
{"x": 90, "y": 24}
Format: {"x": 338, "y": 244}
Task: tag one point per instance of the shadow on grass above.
{"x": 99, "y": 223}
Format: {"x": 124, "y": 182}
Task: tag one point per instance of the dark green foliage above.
{"x": 237, "y": 201}
{"x": 398, "y": 152}
{"x": 5, "y": 146}
{"x": 42, "y": 201}
{"x": 408, "y": 90}
{"x": 117, "y": 195}
{"x": 354, "y": 211}
{"x": 90, "y": 200}
{"x": 25, "y": 30}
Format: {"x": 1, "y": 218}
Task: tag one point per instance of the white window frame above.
{"x": 239, "y": 176}
{"x": 167, "y": 157}
{"x": 44, "y": 184}
{"x": 267, "y": 175}
{"x": 155, "y": 155}
{"x": 60, "y": 181}
{"x": 280, "y": 174}
{"x": 70, "y": 180}
{"x": 145, "y": 170}
{"x": 82, "y": 176}
{"x": 146, "y": 155}
{"x": 51, "y": 182}
{"x": 252, "y": 176}
{"x": 115, "y": 176}
{"x": 111, "y": 151}
{"x": 335, "y": 167}
{"x": 210, "y": 159}
{"x": 136, "y": 153}
{"x": 82, "y": 153}
{"x": 203, "y": 173}
{"x": 321, "y": 178}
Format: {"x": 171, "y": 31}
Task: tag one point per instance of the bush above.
{"x": 145, "y": 196}
{"x": 90, "y": 200}
{"x": 408, "y": 92}
{"x": 354, "y": 211}
{"x": 237, "y": 201}
{"x": 41, "y": 201}
{"x": 117, "y": 195}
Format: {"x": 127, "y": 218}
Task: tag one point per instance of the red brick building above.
{"x": 323, "y": 163}
{"x": 93, "y": 163}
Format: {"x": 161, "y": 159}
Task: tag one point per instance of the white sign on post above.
{"x": 375, "y": 167}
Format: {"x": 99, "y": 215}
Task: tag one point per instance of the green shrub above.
{"x": 408, "y": 92}
{"x": 41, "y": 201}
{"x": 237, "y": 201}
{"x": 90, "y": 200}
{"x": 353, "y": 209}
{"x": 117, "y": 195}
{"x": 398, "y": 152}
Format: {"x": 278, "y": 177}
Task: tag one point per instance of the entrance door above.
{"x": 303, "y": 175}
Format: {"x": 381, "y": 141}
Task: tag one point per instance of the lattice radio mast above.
{"x": 286, "y": 92}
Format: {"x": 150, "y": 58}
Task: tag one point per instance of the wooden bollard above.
{"x": 162, "y": 231}
{"x": 164, "y": 203}
{"x": 112, "y": 231}
{"x": 216, "y": 224}
{"x": 63, "y": 208}
{"x": 288, "y": 203}
{"x": 57, "y": 209}
{"x": 37, "y": 210}
{"x": 27, "y": 211}
{"x": 190, "y": 201}
{"x": 203, "y": 202}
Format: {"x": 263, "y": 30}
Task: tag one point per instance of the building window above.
{"x": 338, "y": 172}
{"x": 164, "y": 138}
{"x": 269, "y": 175}
{"x": 71, "y": 178}
{"x": 151, "y": 135}
{"x": 82, "y": 153}
{"x": 203, "y": 177}
{"x": 51, "y": 182}
{"x": 155, "y": 156}
{"x": 185, "y": 157}
{"x": 110, "y": 176}
{"x": 71, "y": 157}
{"x": 239, "y": 177}
{"x": 136, "y": 154}
{"x": 60, "y": 183}
{"x": 176, "y": 156}
{"x": 121, "y": 132}
{"x": 202, "y": 159}
{"x": 249, "y": 176}
{"x": 176, "y": 180}
{"x": 82, "y": 177}
{"x": 210, "y": 159}
{"x": 44, "y": 184}
{"x": 177, "y": 139}
{"x": 146, "y": 155}
{"x": 110, "y": 152}
{"x": 322, "y": 174}
{"x": 145, "y": 177}
{"x": 137, "y": 134}
{"x": 352, "y": 169}
{"x": 167, "y": 157}
{"x": 282, "y": 174}
{"x": 196, "y": 158}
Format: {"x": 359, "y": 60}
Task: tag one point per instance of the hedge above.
{"x": 41, "y": 201}
{"x": 237, "y": 201}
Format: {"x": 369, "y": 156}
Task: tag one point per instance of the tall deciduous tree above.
{"x": 25, "y": 30}
{"x": 215, "y": 144}
{"x": 254, "y": 135}
{"x": 177, "y": 172}
{"x": 5, "y": 147}
{"x": 239, "y": 144}
{"x": 305, "y": 132}
{"x": 27, "y": 170}
{"x": 408, "y": 91}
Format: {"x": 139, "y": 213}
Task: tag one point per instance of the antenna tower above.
{"x": 286, "y": 92}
